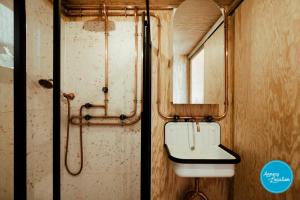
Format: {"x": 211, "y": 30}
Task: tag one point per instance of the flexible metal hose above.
{"x": 67, "y": 142}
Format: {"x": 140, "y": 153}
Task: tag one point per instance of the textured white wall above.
{"x": 111, "y": 167}
{"x": 39, "y": 57}
{"x": 6, "y": 133}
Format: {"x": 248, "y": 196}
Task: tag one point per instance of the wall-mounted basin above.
{"x": 195, "y": 150}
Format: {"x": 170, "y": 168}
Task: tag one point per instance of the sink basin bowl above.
{"x": 195, "y": 150}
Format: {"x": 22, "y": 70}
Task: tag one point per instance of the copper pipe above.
{"x": 73, "y": 118}
{"x": 93, "y": 10}
{"x": 106, "y": 60}
{"x": 115, "y": 6}
{"x": 142, "y": 68}
{"x": 136, "y": 14}
{"x": 98, "y": 106}
{"x": 123, "y": 123}
{"x": 197, "y": 118}
{"x": 136, "y": 35}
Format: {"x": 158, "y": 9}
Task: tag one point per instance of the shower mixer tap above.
{"x": 69, "y": 96}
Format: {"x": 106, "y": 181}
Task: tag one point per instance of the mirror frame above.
{"x": 226, "y": 102}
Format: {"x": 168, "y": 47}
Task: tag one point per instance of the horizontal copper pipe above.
{"x": 123, "y": 123}
{"x": 96, "y": 10}
{"x": 197, "y": 118}
{"x": 114, "y": 6}
{"x": 98, "y": 106}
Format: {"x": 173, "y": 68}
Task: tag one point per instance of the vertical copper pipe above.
{"x": 136, "y": 19}
{"x": 226, "y": 103}
{"x": 106, "y": 61}
{"x": 142, "y": 70}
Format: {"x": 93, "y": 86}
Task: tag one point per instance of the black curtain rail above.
{"x": 56, "y": 98}
{"x": 20, "y": 167}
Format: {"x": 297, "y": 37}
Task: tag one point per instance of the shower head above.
{"x": 69, "y": 96}
{"x": 46, "y": 83}
{"x": 98, "y": 25}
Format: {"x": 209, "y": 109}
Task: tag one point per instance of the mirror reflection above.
{"x": 198, "y": 53}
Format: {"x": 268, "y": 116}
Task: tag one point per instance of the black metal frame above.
{"x": 20, "y": 115}
{"x": 20, "y": 112}
{"x": 145, "y": 192}
{"x": 56, "y": 98}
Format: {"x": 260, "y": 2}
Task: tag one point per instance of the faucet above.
{"x": 198, "y": 126}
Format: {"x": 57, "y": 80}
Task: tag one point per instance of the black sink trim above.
{"x": 207, "y": 161}
{"x": 236, "y": 160}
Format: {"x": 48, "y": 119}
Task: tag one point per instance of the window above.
{"x": 197, "y": 78}
{"x": 6, "y": 37}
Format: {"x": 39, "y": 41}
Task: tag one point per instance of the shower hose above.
{"x": 73, "y": 173}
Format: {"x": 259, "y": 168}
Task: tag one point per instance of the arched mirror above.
{"x": 198, "y": 53}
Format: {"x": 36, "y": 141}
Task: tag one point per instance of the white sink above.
{"x": 195, "y": 150}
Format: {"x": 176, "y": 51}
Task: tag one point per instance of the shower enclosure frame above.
{"x": 20, "y": 95}
{"x": 56, "y": 98}
{"x": 145, "y": 189}
{"x": 20, "y": 117}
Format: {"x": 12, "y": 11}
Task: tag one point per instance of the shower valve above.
{"x": 87, "y": 117}
{"x": 123, "y": 117}
{"x": 88, "y": 105}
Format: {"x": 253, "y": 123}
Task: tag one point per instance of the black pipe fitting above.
{"x": 123, "y": 117}
{"x": 176, "y": 117}
{"x": 105, "y": 89}
{"x": 88, "y": 105}
{"x": 209, "y": 118}
{"x": 87, "y": 117}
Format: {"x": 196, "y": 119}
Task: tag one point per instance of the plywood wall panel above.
{"x": 165, "y": 184}
{"x": 222, "y": 188}
{"x": 267, "y": 93}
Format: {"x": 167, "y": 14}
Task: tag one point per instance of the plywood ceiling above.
{"x": 192, "y": 20}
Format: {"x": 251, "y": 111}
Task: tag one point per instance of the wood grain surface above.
{"x": 165, "y": 184}
{"x": 266, "y": 93}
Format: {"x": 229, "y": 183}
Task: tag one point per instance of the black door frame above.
{"x": 20, "y": 114}
{"x": 56, "y": 98}
{"x": 146, "y": 114}
{"x": 145, "y": 191}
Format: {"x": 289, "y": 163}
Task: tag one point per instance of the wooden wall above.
{"x": 266, "y": 93}
{"x": 264, "y": 116}
{"x": 165, "y": 184}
